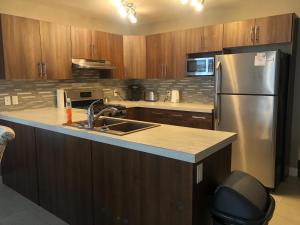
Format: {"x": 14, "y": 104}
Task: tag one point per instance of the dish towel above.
{"x": 6, "y": 134}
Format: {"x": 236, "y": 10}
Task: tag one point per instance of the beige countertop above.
{"x": 181, "y": 143}
{"x": 193, "y": 107}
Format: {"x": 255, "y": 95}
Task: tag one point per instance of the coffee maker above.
{"x": 135, "y": 92}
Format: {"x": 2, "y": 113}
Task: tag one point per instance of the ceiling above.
{"x": 153, "y": 15}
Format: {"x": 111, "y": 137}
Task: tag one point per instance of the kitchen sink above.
{"x": 114, "y": 126}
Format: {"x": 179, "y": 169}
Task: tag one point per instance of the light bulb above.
{"x": 132, "y": 18}
{"x": 183, "y": 2}
{"x": 194, "y": 2}
{"x": 199, "y": 7}
{"x": 122, "y": 12}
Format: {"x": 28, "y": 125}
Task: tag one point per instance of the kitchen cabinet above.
{"x": 204, "y": 39}
{"x": 260, "y": 31}
{"x": 102, "y": 43}
{"x": 134, "y": 56}
{"x": 274, "y": 29}
{"x": 64, "y": 176}
{"x": 56, "y": 50}
{"x": 117, "y": 56}
{"x": 82, "y": 47}
{"x": 19, "y": 169}
{"x": 21, "y": 48}
{"x": 166, "y": 55}
{"x": 172, "y": 117}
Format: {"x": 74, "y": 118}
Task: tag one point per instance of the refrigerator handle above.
{"x": 217, "y": 94}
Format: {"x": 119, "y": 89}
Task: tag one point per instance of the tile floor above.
{"x": 16, "y": 210}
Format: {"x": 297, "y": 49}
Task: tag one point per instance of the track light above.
{"x": 126, "y": 10}
{"x": 198, "y": 4}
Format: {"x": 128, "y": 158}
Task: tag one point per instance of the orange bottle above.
{"x": 69, "y": 111}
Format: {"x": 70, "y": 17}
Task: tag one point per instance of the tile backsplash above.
{"x": 42, "y": 93}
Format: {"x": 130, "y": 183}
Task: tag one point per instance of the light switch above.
{"x": 15, "y": 100}
{"x": 7, "y": 100}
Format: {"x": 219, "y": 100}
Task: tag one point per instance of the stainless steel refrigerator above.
{"x": 249, "y": 100}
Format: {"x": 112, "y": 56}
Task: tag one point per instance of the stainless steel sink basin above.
{"x": 114, "y": 126}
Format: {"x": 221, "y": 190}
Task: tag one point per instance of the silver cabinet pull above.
{"x": 40, "y": 70}
{"x": 199, "y": 117}
{"x": 166, "y": 71}
{"x": 177, "y": 115}
{"x": 162, "y": 71}
{"x": 256, "y": 33}
{"x": 252, "y": 33}
{"x": 44, "y": 70}
{"x": 157, "y": 113}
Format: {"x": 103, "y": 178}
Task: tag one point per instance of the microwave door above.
{"x": 196, "y": 67}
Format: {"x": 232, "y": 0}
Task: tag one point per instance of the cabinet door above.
{"x": 238, "y": 34}
{"x": 179, "y": 56}
{"x": 167, "y": 55}
{"x": 102, "y": 44}
{"x": 19, "y": 170}
{"x": 117, "y": 55}
{"x": 154, "y": 58}
{"x": 194, "y": 40}
{"x": 65, "y": 178}
{"x": 274, "y": 29}
{"x": 213, "y": 38}
{"x": 56, "y": 50}
{"x": 81, "y": 43}
{"x": 134, "y": 56}
{"x": 22, "y": 47}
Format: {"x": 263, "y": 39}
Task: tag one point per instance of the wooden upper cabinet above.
{"x": 117, "y": 55}
{"x": 179, "y": 56}
{"x": 213, "y": 38}
{"x": 194, "y": 40}
{"x": 134, "y": 56}
{"x": 81, "y": 43}
{"x": 167, "y": 55}
{"x": 153, "y": 56}
{"x": 22, "y": 47}
{"x": 102, "y": 43}
{"x": 274, "y": 29}
{"x": 56, "y": 50}
{"x": 238, "y": 34}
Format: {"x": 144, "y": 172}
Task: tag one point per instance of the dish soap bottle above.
{"x": 69, "y": 111}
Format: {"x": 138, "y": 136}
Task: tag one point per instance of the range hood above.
{"x": 92, "y": 64}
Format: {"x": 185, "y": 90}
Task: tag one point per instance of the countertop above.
{"x": 192, "y": 107}
{"x": 181, "y": 143}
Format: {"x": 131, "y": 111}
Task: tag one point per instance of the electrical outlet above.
{"x": 7, "y": 100}
{"x": 116, "y": 93}
{"x": 15, "y": 100}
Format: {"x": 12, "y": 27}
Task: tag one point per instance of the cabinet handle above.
{"x": 199, "y": 117}
{"x": 177, "y": 115}
{"x": 162, "y": 71}
{"x": 92, "y": 50}
{"x": 40, "y": 68}
{"x": 157, "y": 113}
{"x": 44, "y": 69}
{"x": 166, "y": 71}
{"x": 256, "y": 33}
{"x": 252, "y": 34}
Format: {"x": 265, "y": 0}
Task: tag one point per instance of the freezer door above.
{"x": 252, "y": 118}
{"x": 247, "y": 73}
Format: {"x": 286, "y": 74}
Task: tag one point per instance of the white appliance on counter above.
{"x": 175, "y": 96}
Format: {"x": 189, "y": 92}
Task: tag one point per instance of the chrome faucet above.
{"x": 91, "y": 114}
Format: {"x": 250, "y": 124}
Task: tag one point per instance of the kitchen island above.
{"x": 162, "y": 175}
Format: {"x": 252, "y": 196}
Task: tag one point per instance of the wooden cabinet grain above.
{"x": 81, "y": 43}
{"x": 134, "y": 56}
{"x": 19, "y": 168}
{"x": 22, "y": 47}
{"x": 56, "y": 50}
{"x": 101, "y": 45}
{"x": 274, "y": 29}
{"x": 64, "y": 176}
{"x": 117, "y": 55}
{"x": 153, "y": 48}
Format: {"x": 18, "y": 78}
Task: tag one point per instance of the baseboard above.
{"x": 293, "y": 172}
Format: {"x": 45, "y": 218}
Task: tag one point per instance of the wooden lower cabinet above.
{"x": 65, "y": 179}
{"x": 90, "y": 183}
{"x": 172, "y": 117}
{"x": 19, "y": 168}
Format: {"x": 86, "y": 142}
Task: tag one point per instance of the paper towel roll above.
{"x": 60, "y": 98}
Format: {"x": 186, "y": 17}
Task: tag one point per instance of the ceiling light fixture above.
{"x": 126, "y": 10}
{"x": 198, "y": 4}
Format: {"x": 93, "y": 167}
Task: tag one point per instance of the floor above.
{"x": 16, "y": 210}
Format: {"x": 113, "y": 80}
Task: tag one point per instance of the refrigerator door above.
{"x": 253, "y": 119}
{"x": 247, "y": 73}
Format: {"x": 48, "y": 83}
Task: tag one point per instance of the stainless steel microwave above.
{"x": 200, "y": 66}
